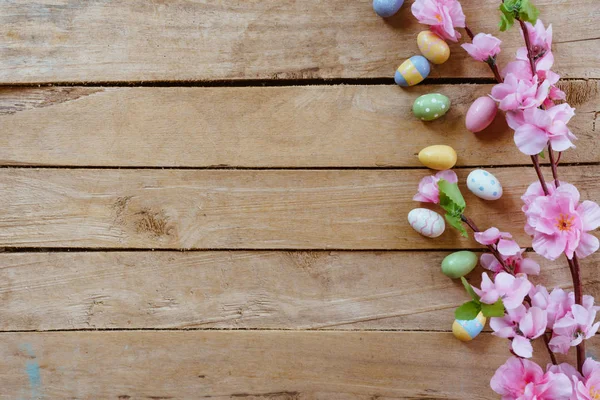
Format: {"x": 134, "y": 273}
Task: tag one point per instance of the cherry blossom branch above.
{"x": 547, "y": 343}
{"x": 528, "y": 45}
{"x": 492, "y": 65}
{"x": 538, "y": 171}
{"x": 553, "y": 165}
{"x": 492, "y": 249}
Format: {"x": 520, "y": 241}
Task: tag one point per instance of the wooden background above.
{"x": 208, "y": 199}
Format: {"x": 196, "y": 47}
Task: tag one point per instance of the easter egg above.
{"x": 430, "y": 106}
{"x": 484, "y": 185}
{"x": 387, "y": 8}
{"x": 433, "y": 47}
{"x": 428, "y": 223}
{"x": 467, "y": 329}
{"x": 459, "y": 264}
{"x": 412, "y": 71}
{"x": 438, "y": 157}
{"x": 481, "y": 114}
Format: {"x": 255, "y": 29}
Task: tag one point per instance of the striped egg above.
{"x": 412, "y": 71}
{"x": 428, "y": 223}
{"x": 433, "y": 47}
{"x": 467, "y": 329}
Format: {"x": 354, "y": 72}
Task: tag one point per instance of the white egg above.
{"x": 484, "y": 185}
{"x": 428, "y": 223}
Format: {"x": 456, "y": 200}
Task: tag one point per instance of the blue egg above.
{"x": 387, "y": 8}
{"x": 412, "y": 71}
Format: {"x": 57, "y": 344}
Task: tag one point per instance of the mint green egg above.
{"x": 459, "y": 264}
{"x": 431, "y": 106}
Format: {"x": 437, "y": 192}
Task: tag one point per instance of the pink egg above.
{"x": 481, "y": 114}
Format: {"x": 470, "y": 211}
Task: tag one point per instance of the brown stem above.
{"x": 492, "y": 249}
{"x": 553, "y": 165}
{"x": 528, "y": 45}
{"x": 576, "y": 276}
{"x": 547, "y": 343}
{"x": 538, "y": 171}
{"x": 469, "y": 32}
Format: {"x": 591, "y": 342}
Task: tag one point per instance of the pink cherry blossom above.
{"x": 572, "y": 329}
{"x": 557, "y": 303}
{"x": 540, "y": 38}
{"x": 502, "y": 240}
{"x": 484, "y": 47}
{"x": 428, "y": 187}
{"x": 442, "y": 15}
{"x": 520, "y": 379}
{"x": 521, "y": 325}
{"x": 535, "y": 127}
{"x": 512, "y": 290}
{"x": 520, "y": 94}
{"x": 559, "y": 224}
{"x": 531, "y": 194}
{"x": 587, "y": 387}
{"x": 517, "y": 263}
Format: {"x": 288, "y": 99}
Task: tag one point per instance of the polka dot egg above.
{"x": 431, "y": 106}
{"x": 484, "y": 185}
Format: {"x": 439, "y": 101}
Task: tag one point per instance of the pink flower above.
{"x": 428, "y": 187}
{"x": 587, "y": 387}
{"x": 531, "y": 194}
{"x": 519, "y": 94}
{"x": 520, "y": 379}
{"x": 573, "y": 328}
{"x": 535, "y": 127}
{"x": 517, "y": 263}
{"x": 442, "y": 15}
{"x": 559, "y": 224}
{"x": 557, "y": 304}
{"x": 540, "y": 38}
{"x": 512, "y": 290}
{"x": 484, "y": 47}
{"x": 502, "y": 240}
{"x": 521, "y": 325}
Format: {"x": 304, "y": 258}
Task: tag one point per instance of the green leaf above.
{"x": 506, "y": 22}
{"x": 452, "y": 193}
{"x": 528, "y": 12}
{"x": 456, "y": 222}
{"x": 469, "y": 289}
{"x": 542, "y": 154}
{"x": 507, "y": 19}
{"x": 467, "y": 311}
{"x": 493, "y": 310}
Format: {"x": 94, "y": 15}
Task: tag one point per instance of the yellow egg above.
{"x": 438, "y": 157}
{"x": 466, "y": 330}
{"x": 434, "y": 48}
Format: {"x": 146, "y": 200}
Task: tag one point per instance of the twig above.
{"x": 576, "y": 276}
{"x": 538, "y": 171}
{"x": 528, "y": 45}
{"x": 553, "y": 165}
{"x": 547, "y": 343}
{"x": 492, "y": 249}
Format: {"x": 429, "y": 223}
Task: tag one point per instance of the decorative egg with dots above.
{"x": 466, "y": 330}
{"x": 484, "y": 185}
{"x": 431, "y": 106}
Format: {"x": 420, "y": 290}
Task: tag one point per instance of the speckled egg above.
{"x": 439, "y": 157}
{"x": 484, "y": 185}
{"x": 467, "y": 329}
{"x": 428, "y": 223}
{"x": 412, "y": 71}
{"x": 433, "y": 47}
{"x": 459, "y": 264}
{"x": 431, "y": 106}
{"x": 481, "y": 114}
{"x": 387, "y": 8}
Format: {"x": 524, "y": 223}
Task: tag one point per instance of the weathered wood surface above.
{"x": 302, "y": 126}
{"x": 250, "y": 290}
{"x": 248, "y": 209}
{"x": 124, "y": 40}
{"x": 250, "y": 365}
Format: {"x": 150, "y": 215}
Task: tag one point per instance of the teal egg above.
{"x": 459, "y": 264}
{"x": 431, "y": 106}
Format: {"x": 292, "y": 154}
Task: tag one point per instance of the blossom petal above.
{"x": 589, "y": 212}
{"x": 508, "y": 247}
{"x": 522, "y": 347}
{"x": 530, "y": 139}
{"x": 588, "y": 244}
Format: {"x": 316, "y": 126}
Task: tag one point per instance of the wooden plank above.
{"x": 250, "y": 364}
{"x": 249, "y": 290}
{"x": 123, "y": 40}
{"x": 248, "y": 209}
{"x": 308, "y": 126}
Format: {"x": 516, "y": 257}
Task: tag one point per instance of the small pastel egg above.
{"x": 387, "y": 8}
{"x": 438, "y": 157}
{"x": 467, "y": 329}
{"x": 484, "y": 185}
{"x": 428, "y": 223}
{"x": 459, "y": 264}
{"x": 481, "y": 114}
{"x": 433, "y": 47}
{"x": 431, "y": 106}
{"x": 412, "y": 71}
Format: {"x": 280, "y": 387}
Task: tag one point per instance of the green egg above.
{"x": 431, "y": 106}
{"x": 459, "y": 264}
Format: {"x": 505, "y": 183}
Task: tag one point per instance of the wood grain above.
{"x": 248, "y": 290}
{"x": 228, "y": 209}
{"x": 306, "y": 126}
{"x": 252, "y": 365}
{"x": 181, "y": 40}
